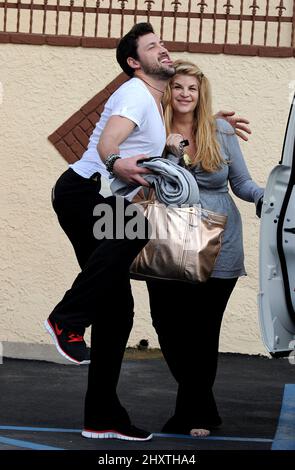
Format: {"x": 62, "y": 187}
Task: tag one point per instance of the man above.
{"x": 131, "y": 128}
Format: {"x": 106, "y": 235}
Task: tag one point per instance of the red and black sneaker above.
{"x": 126, "y": 433}
{"x": 69, "y": 344}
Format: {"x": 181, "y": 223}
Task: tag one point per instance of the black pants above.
{"x": 100, "y": 295}
{"x": 187, "y": 318}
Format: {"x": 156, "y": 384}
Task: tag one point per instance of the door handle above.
{"x": 290, "y": 230}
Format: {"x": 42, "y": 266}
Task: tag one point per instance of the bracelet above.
{"x": 110, "y": 161}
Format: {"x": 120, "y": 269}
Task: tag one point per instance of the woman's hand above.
{"x": 259, "y": 207}
{"x": 173, "y": 144}
{"x": 238, "y": 123}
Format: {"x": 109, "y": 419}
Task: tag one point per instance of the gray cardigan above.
{"x": 214, "y": 195}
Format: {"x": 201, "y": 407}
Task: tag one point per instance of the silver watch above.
{"x": 109, "y": 162}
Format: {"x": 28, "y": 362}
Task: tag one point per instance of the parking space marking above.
{"x": 26, "y": 444}
{"x": 215, "y": 438}
{"x": 160, "y": 435}
{"x": 285, "y": 435}
{"x": 31, "y": 428}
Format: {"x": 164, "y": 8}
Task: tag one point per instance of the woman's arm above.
{"x": 240, "y": 180}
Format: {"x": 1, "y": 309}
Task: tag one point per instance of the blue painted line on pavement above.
{"x": 31, "y": 428}
{"x": 161, "y": 435}
{"x": 285, "y": 435}
{"x": 26, "y": 444}
{"x": 215, "y": 438}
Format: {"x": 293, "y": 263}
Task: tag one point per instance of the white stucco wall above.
{"x": 42, "y": 87}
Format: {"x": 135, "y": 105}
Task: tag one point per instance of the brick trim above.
{"x": 173, "y": 46}
{"x": 72, "y": 137}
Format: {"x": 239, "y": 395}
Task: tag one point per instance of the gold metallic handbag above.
{"x": 184, "y": 244}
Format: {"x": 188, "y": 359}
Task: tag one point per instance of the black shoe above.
{"x": 127, "y": 433}
{"x": 69, "y": 344}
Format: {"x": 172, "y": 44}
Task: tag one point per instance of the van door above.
{"x": 276, "y": 296}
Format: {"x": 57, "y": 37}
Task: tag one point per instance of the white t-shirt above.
{"x": 133, "y": 101}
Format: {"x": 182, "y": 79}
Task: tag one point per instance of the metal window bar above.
{"x": 214, "y": 22}
{"x": 254, "y": 7}
{"x": 84, "y": 18}
{"x": 57, "y": 17}
{"x": 176, "y": 4}
{"x": 266, "y": 22}
{"x": 71, "y": 16}
{"x": 31, "y": 16}
{"x": 5, "y": 16}
{"x": 135, "y": 11}
{"x": 148, "y": 9}
{"x": 110, "y": 18}
{"x": 202, "y": 5}
{"x": 44, "y": 17}
{"x": 293, "y": 27}
{"x": 241, "y": 22}
{"x": 96, "y": 18}
{"x": 228, "y": 7}
{"x": 122, "y": 15}
{"x": 18, "y": 15}
{"x": 162, "y": 19}
{"x": 280, "y": 9}
{"x": 189, "y": 9}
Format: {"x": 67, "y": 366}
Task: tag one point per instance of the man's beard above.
{"x": 158, "y": 71}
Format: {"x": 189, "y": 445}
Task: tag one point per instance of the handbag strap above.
{"x": 144, "y": 195}
{"x": 149, "y": 193}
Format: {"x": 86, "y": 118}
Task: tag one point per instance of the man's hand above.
{"x": 238, "y": 123}
{"x": 127, "y": 170}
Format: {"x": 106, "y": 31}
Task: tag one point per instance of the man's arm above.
{"x": 116, "y": 130}
{"x": 238, "y": 123}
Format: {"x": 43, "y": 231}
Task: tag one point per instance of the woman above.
{"x": 187, "y": 317}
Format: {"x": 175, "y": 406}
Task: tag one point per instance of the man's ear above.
{"x": 134, "y": 64}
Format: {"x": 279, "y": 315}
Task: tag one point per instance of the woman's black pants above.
{"x": 187, "y": 318}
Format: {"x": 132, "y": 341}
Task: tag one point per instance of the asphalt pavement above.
{"x": 42, "y": 407}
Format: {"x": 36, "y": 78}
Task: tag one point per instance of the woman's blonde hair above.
{"x": 204, "y": 129}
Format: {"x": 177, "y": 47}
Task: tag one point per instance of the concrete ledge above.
{"x": 31, "y": 351}
{"x": 48, "y": 353}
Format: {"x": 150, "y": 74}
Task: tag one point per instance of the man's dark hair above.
{"x": 127, "y": 47}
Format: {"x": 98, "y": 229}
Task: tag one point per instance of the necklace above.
{"x": 152, "y": 86}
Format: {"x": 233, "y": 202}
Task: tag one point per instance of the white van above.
{"x": 276, "y": 297}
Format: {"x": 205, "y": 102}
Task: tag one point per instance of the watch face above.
{"x": 184, "y": 143}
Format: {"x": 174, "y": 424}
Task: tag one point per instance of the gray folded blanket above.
{"x": 173, "y": 184}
